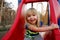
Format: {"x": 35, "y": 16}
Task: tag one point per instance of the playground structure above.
{"x": 17, "y": 30}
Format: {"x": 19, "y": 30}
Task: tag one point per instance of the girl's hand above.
{"x": 54, "y": 26}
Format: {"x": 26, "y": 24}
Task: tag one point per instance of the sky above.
{"x": 14, "y": 4}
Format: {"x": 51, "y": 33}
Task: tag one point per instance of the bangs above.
{"x": 31, "y": 10}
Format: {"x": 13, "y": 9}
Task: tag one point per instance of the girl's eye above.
{"x": 28, "y": 15}
{"x": 33, "y": 15}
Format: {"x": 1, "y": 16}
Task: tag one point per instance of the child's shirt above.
{"x": 30, "y": 33}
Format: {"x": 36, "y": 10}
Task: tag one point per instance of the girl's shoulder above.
{"x": 26, "y": 26}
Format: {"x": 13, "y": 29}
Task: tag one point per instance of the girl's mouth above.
{"x": 31, "y": 20}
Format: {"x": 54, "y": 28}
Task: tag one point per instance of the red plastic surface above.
{"x": 54, "y": 14}
{"x": 55, "y": 7}
{"x": 30, "y": 1}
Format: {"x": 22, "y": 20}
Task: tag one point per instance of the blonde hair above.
{"x": 34, "y": 11}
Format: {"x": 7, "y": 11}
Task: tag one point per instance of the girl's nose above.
{"x": 32, "y": 17}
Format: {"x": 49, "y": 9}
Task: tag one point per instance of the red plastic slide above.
{"x": 54, "y": 14}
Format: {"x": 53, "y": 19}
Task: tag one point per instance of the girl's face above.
{"x": 31, "y": 18}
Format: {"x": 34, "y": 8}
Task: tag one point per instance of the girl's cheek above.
{"x": 35, "y": 17}
{"x": 28, "y": 18}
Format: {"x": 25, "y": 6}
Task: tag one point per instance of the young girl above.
{"x": 32, "y": 27}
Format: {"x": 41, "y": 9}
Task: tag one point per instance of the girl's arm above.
{"x": 42, "y": 29}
